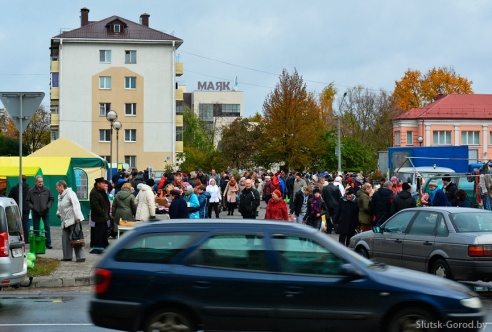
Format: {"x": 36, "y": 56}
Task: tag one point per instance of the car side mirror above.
{"x": 350, "y": 271}
{"x": 377, "y": 229}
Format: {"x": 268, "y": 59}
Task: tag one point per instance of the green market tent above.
{"x": 63, "y": 160}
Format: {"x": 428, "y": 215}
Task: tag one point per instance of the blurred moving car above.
{"x": 186, "y": 276}
{"x": 450, "y": 242}
{"x": 13, "y": 264}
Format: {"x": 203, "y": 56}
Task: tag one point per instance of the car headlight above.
{"x": 472, "y": 302}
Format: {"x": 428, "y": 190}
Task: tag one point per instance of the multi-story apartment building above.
{"x": 451, "y": 120}
{"x": 116, "y": 65}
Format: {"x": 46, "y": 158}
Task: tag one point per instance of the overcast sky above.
{"x": 347, "y": 42}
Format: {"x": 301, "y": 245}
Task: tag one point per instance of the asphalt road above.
{"x": 66, "y": 310}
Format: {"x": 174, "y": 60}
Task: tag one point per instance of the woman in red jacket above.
{"x": 277, "y": 208}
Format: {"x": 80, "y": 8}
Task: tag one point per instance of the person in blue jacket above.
{"x": 437, "y": 197}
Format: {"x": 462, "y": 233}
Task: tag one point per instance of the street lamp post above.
{"x": 117, "y": 126}
{"x": 420, "y": 139}
{"x": 339, "y": 147}
{"x": 111, "y": 116}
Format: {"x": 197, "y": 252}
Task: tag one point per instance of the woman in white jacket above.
{"x": 215, "y": 198}
{"x": 69, "y": 212}
{"x": 145, "y": 201}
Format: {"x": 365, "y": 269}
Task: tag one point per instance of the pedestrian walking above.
{"x": 40, "y": 201}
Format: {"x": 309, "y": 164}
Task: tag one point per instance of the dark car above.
{"x": 451, "y": 242}
{"x": 187, "y": 276}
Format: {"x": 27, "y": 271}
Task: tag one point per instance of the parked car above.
{"x": 450, "y": 242}
{"x": 13, "y": 264}
{"x": 186, "y": 276}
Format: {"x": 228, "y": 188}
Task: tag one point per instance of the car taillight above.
{"x": 4, "y": 244}
{"x": 480, "y": 250}
{"x": 101, "y": 279}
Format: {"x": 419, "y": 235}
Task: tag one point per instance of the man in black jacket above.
{"x": 14, "y": 193}
{"x": 100, "y": 206}
{"x": 403, "y": 199}
{"x": 249, "y": 200}
{"x": 450, "y": 190}
{"x": 331, "y": 195}
{"x": 381, "y": 203}
{"x": 40, "y": 201}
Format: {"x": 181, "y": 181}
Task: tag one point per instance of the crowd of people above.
{"x": 344, "y": 204}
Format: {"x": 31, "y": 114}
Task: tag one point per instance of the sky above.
{"x": 344, "y": 42}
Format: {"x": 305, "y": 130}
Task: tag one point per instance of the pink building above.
{"x": 451, "y": 120}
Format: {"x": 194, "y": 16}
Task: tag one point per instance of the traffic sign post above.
{"x": 21, "y": 106}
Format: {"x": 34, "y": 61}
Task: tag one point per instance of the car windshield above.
{"x": 472, "y": 222}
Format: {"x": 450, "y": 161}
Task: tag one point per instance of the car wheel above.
{"x": 441, "y": 269}
{"x": 167, "y": 319}
{"x": 412, "y": 319}
{"x": 362, "y": 251}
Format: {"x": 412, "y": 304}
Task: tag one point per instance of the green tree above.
{"x": 293, "y": 124}
{"x": 256, "y": 118}
{"x": 415, "y": 90}
{"x": 240, "y": 142}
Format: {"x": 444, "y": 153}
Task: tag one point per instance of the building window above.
{"x": 130, "y": 135}
{"x": 117, "y": 28}
{"x": 104, "y": 135}
{"x": 130, "y": 56}
{"x": 107, "y": 158}
{"x": 409, "y": 137}
{"x": 105, "y": 56}
{"x": 179, "y": 108}
{"x": 441, "y": 137}
{"x": 54, "y": 135}
{"x": 179, "y": 134}
{"x": 105, "y": 82}
{"x": 130, "y": 82}
{"x": 131, "y": 161}
{"x": 397, "y": 138}
{"x": 54, "y": 80}
{"x": 104, "y": 108}
{"x": 206, "y": 112}
{"x": 131, "y": 109}
{"x": 82, "y": 183}
{"x": 470, "y": 138}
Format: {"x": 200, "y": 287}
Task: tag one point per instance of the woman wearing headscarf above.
{"x": 277, "y": 208}
{"x": 315, "y": 209}
{"x": 365, "y": 212}
{"x": 214, "y": 200}
{"x": 69, "y": 212}
{"x": 347, "y": 217}
{"x": 124, "y": 206}
{"x": 437, "y": 197}
{"x": 192, "y": 203}
{"x": 145, "y": 201}
{"x": 230, "y": 195}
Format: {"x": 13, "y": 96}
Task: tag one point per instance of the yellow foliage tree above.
{"x": 415, "y": 90}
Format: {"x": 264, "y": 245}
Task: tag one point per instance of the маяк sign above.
{"x": 218, "y": 86}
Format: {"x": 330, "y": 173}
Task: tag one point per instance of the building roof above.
{"x": 133, "y": 31}
{"x": 63, "y": 147}
{"x": 454, "y": 106}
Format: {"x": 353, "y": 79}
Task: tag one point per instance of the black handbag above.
{"x": 77, "y": 238}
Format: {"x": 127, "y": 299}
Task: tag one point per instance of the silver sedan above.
{"x": 451, "y": 242}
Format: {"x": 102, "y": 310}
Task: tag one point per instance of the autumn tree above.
{"x": 37, "y": 133}
{"x": 415, "y": 90}
{"x": 293, "y": 123}
{"x": 240, "y": 142}
{"x": 326, "y": 99}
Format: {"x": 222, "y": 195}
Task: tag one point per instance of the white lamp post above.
{"x": 111, "y": 116}
{"x": 117, "y": 126}
{"x": 339, "y": 147}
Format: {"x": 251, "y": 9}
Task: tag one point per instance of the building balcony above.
{"x": 179, "y": 94}
{"x": 178, "y": 67}
{"x": 179, "y": 121}
{"x": 55, "y": 93}
{"x": 55, "y": 120}
{"x": 55, "y": 66}
{"x": 179, "y": 146}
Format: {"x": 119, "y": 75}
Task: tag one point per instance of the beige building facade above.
{"x": 122, "y": 66}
